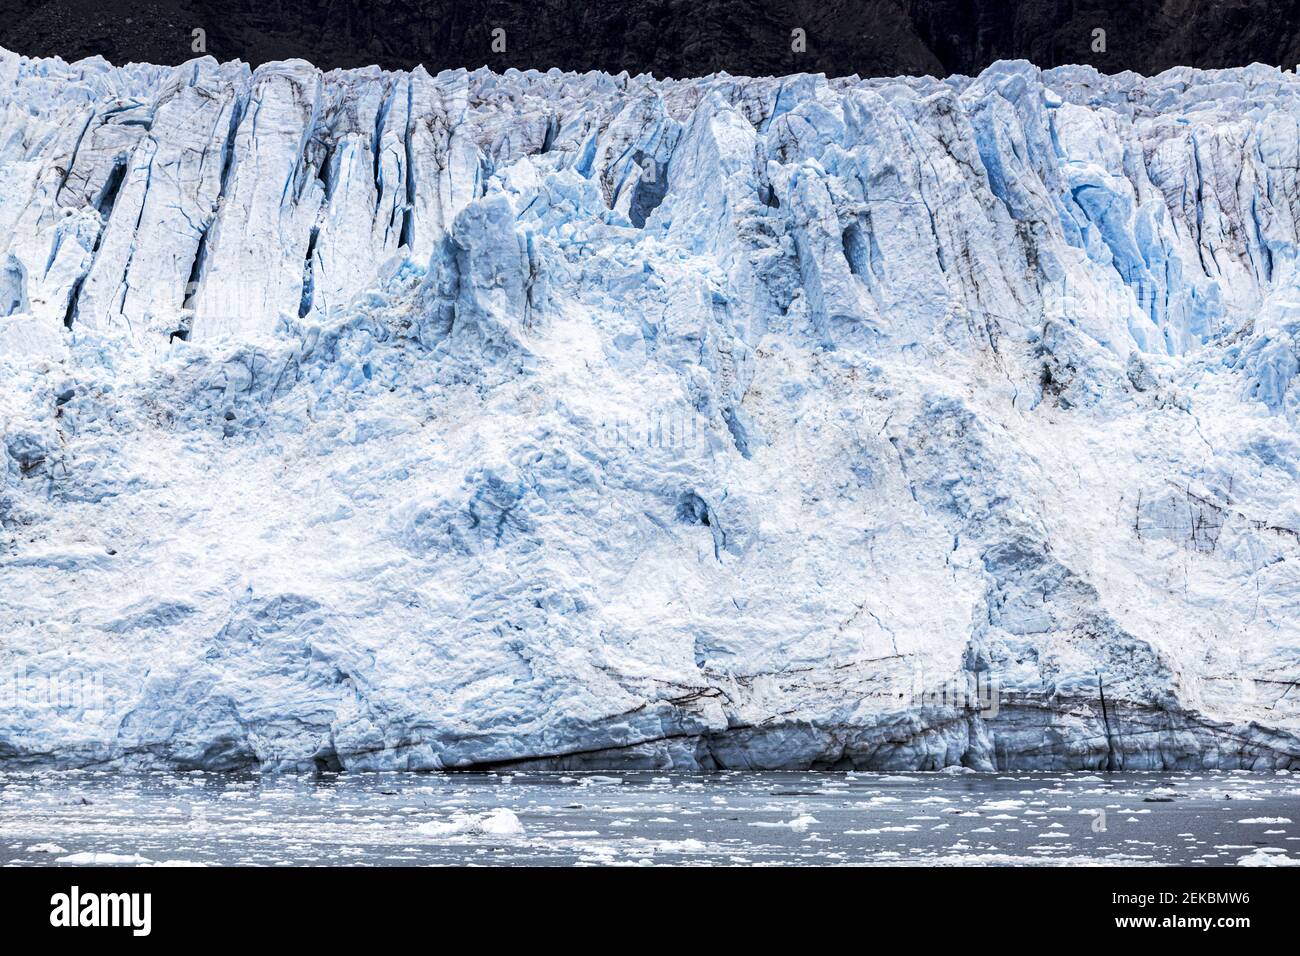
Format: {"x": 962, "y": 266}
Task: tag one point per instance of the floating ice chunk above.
{"x": 596, "y": 780}
{"x": 689, "y": 845}
{"x": 498, "y": 822}
{"x": 177, "y": 863}
{"x": 93, "y": 858}
{"x": 799, "y": 824}
{"x": 1268, "y": 856}
{"x": 1002, "y": 805}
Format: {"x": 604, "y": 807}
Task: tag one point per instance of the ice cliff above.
{"x": 366, "y": 420}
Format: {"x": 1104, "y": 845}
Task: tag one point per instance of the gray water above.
{"x": 1199, "y": 819}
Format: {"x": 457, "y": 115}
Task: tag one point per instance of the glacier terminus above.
{"x": 374, "y": 420}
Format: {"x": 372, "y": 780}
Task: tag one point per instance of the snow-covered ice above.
{"x": 102, "y": 859}
{"x": 382, "y": 420}
{"x": 499, "y": 822}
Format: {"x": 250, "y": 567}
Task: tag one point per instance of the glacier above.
{"x": 371, "y": 420}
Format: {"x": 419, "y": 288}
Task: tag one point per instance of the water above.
{"x": 1211, "y": 818}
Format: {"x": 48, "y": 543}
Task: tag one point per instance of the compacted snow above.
{"x": 369, "y": 420}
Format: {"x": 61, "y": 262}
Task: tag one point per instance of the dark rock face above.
{"x": 668, "y": 37}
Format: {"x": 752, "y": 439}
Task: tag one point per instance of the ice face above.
{"x": 386, "y": 420}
